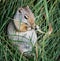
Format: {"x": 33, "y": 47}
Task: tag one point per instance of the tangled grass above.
{"x": 45, "y": 11}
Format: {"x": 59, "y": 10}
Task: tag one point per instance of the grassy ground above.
{"x": 45, "y": 11}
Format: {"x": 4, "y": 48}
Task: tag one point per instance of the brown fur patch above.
{"x": 23, "y": 27}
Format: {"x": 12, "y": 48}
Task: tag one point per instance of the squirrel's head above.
{"x": 24, "y": 15}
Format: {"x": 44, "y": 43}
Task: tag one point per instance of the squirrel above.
{"x": 23, "y": 28}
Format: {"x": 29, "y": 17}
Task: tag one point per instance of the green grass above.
{"x": 45, "y": 12}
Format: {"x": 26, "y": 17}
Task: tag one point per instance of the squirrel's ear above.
{"x": 27, "y": 6}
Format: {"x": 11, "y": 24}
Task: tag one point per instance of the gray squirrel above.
{"x": 24, "y": 21}
{"x": 24, "y": 35}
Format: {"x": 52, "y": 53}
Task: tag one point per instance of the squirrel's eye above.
{"x": 26, "y": 17}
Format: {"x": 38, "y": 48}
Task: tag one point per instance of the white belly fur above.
{"x": 29, "y": 38}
